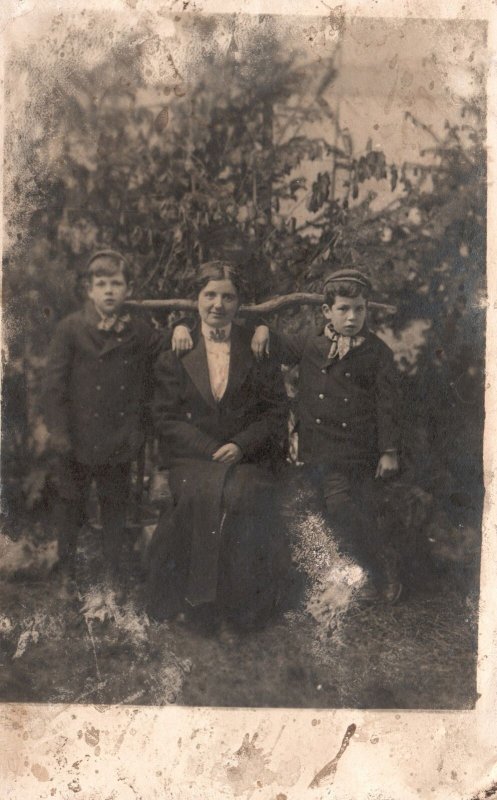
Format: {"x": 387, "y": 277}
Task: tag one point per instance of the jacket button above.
{"x": 318, "y": 421}
{"x": 321, "y": 396}
{"x": 323, "y": 371}
{"x": 347, "y": 374}
{"x": 119, "y": 338}
{"x": 98, "y": 388}
{"x": 345, "y": 399}
{"x": 344, "y": 424}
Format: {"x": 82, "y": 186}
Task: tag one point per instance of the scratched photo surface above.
{"x": 290, "y": 146}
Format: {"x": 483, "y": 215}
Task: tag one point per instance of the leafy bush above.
{"x": 173, "y": 175}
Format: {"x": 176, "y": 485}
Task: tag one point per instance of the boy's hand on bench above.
{"x": 260, "y": 342}
{"x": 181, "y": 341}
{"x": 388, "y": 465}
{"x": 228, "y": 454}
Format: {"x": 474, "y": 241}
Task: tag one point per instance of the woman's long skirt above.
{"x": 223, "y": 543}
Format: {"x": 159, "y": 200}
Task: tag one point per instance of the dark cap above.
{"x": 342, "y": 275}
{"x": 113, "y": 254}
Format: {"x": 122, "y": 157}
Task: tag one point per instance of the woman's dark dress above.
{"x": 222, "y": 543}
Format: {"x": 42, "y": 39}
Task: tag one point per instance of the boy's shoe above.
{"x": 113, "y": 585}
{"x": 114, "y": 592}
{"x": 392, "y": 591}
{"x": 390, "y": 585}
{"x": 366, "y": 595}
{"x": 98, "y": 605}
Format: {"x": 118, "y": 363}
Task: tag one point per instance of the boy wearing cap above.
{"x": 347, "y": 414}
{"x": 97, "y": 386}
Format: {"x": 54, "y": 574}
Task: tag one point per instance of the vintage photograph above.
{"x": 244, "y": 296}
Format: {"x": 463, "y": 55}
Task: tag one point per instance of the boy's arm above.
{"x": 56, "y": 387}
{"x": 157, "y": 342}
{"x": 170, "y": 419}
{"x": 286, "y": 348}
{"x": 387, "y": 408}
{"x": 181, "y": 340}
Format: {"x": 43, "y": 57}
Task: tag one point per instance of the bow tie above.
{"x": 114, "y": 323}
{"x": 340, "y": 344}
{"x": 218, "y": 335}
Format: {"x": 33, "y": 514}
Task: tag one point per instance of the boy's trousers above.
{"x": 74, "y": 482}
{"x": 353, "y": 499}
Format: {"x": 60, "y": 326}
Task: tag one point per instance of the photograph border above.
{"x": 280, "y": 754}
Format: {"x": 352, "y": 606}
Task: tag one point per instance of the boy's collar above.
{"x": 364, "y": 332}
{"x": 116, "y": 322}
{"x": 341, "y": 344}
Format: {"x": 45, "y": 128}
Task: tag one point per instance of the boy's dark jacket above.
{"x": 348, "y": 409}
{"x": 98, "y": 385}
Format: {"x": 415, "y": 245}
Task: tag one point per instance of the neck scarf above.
{"x": 340, "y": 344}
{"x": 116, "y": 322}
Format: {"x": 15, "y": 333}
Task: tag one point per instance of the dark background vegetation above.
{"x": 228, "y": 164}
{"x": 218, "y": 168}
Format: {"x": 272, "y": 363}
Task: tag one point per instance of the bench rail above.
{"x": 266, "y": 307}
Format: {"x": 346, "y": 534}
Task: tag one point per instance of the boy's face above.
{"x": 347, "y": 314}
{"x": 108, "y": 292}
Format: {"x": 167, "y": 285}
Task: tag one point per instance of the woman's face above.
{"x": 218, "y": 303}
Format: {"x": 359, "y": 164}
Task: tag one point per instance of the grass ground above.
{"x": 420, "y": 653}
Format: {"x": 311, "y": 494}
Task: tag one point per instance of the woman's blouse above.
{"x": 218, "y": 348}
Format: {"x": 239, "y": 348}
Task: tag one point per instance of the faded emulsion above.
{"x": 290, "y": 147}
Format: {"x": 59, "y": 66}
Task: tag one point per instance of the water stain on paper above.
{"x": 92, "y": 736}
{"x": 329, "y": 770}
{"x": 40, "y": 773}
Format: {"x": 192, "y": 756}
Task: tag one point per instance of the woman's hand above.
{"x": 388, "y": 465}
{"x": 181, "y": 341}
{"x": 260, "y": 342}
{"x": 228, "y": 454}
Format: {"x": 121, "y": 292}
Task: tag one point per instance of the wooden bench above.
{"x": 269, "y": 306}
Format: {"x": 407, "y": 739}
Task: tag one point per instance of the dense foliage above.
{"x": 173, "y": 175}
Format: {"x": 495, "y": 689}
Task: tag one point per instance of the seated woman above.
{"x": 221, "y": 419}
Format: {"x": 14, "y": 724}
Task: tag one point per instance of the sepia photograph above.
{"x": 244, "y": 369}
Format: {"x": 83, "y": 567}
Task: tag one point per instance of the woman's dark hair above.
{"x": 107, "y": 263}
{"x": 220, "y": 271}
{"x": 344, "y": 288}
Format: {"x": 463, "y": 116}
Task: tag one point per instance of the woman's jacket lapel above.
{"x": 195, "y": 363}
{"x": 241, "y": 361}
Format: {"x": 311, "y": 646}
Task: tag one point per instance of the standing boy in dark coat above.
{"x": 347, "y": 418}
{"x": 98, "y": 383}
